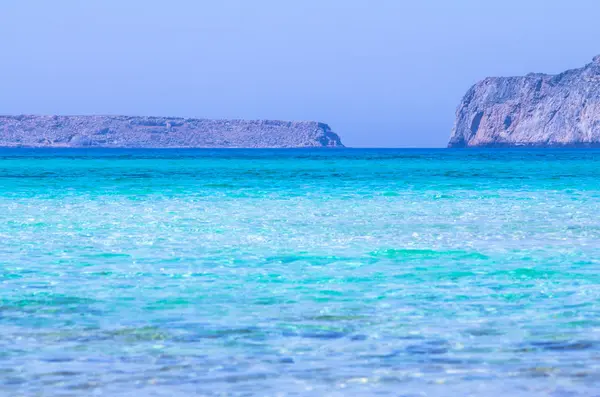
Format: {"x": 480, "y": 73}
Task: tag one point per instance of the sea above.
{"x": 329, "y": 272}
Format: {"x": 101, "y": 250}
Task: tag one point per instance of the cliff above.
{"x": 160, "y": 132}
{"x": 535, "y": 110}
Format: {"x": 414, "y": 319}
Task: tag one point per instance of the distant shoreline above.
{"x": 161, "y": 132}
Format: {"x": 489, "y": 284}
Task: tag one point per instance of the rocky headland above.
{"x": 537, "y": 110}
{"x": 161, "y": 132}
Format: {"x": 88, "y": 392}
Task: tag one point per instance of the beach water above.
{"x": 299, "y": 272}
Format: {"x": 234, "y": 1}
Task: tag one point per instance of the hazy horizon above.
{"x": 384, "y": 75}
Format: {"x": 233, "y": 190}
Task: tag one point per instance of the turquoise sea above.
{"x": 299, "y": 272}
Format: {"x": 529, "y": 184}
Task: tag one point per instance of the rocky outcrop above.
{"x": 160, "y": 132}
{"x": 535, "y": 110}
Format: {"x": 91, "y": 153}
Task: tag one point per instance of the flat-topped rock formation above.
{"x": 161, "y": 132}
{"x": 537, "y": 110}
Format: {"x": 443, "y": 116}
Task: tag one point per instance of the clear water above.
{"x": 341, "y": 272}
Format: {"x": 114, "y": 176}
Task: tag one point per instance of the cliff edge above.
{"x": 537, "y": 110}
{"x": 161, "y": 132}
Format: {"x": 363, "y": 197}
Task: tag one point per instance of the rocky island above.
{"x": 161, "y": 132}
{"x": 537, "y": 110}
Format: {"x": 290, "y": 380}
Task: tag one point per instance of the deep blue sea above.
{"x": 343, "y": 272}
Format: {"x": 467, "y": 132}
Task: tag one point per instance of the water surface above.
{"x": 299, "y": 272}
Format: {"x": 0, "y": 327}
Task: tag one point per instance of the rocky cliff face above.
{"x": 534, "y": 110}
{"x": 160, "y": 132}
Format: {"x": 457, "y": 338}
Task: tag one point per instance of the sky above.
{"x": 381, "y": 73}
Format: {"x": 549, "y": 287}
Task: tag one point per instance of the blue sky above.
{"x": 382, "y": 73}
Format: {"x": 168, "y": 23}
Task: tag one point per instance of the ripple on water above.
{"x": 300, "y": 272}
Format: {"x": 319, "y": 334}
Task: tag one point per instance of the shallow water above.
{"x": 298, "y": 272}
